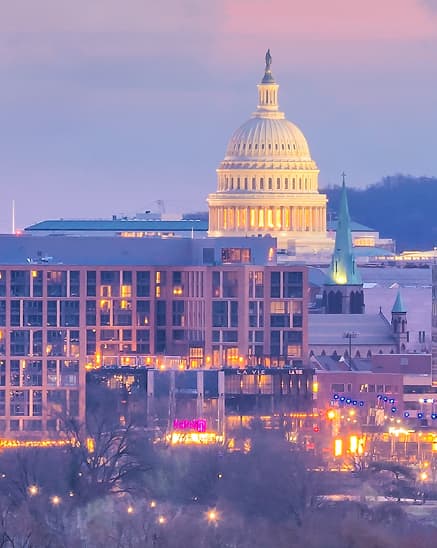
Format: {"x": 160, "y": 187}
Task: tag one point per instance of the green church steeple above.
{"x": 343, "y": 269}
{"x": 398, "y": 306}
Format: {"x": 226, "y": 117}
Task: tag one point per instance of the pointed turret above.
{"x": 399, "y": 307}
{"x": 399, "y": 323}
{"x": 344, "y": 288}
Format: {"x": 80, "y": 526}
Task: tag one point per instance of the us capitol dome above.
{"x": 268, "y": 182}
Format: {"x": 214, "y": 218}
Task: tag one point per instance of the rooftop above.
{"x": 28, "y": 249}
{"x": 330, "y": 329}
{"x": 118, "y": 225}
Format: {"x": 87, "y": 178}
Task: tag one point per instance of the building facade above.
{"x": 71, "y": 303}
{"x": 268, "y": 182}
{"x": 203, "y": 406}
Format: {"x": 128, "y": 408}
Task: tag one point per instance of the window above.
{"x": 37, "y": 283}
{"x": 178, "y": 313}
{"x": 91, "y": 312}
{"x": 20, "y": 283}
{"x": 230, "y": 284}
{"x": 109, "y": 283}
{"x": 56, "y": 343}
{"x": 234, "y": 314}
{"x": 74, "y": 283}
{"x": 37, "y": 407}
{"x": 219, "y": 314}
{"x": 52, "y": 313}
{"x": 2, "y": 283}
{"x": 69, "y": 372}
{"x": 256, "y": 284}
{"x": 208, "y": 255}
{"x": 143, "y": 338}
{"x": 16, "y": 313}
{"x": 73, "y": 403}
{"x": 91, "y": 342}
{"x": 91, "y": 283}
{"x": 236, "y": 255}
{"x": 52, "y": 373}
{"x": 56, "y": 402}
{"x": 20, "y": 343}
{"x": 275, "y": 285}
{"x": 32, "y": 313}
{"x": 337, "y": 387}
{"x": 57, "y": 284}
{"x": 216, "y": 284}
{"x": 143, "y": 312}
{"x": 37, "y": 349}
{"x": 19, "y": 403}
{"x": 70, "y": 313}
{"x": 143, "y": 284}
{"x": 275, "y": 343}
{"x": 160, "y": 313}
{"x": 293, "y": 285}
{"x": 122, "y": 312}
{"x": 32, "y": 373}
{"x": 230, "y": 336}
{"x": 160, "y": 340}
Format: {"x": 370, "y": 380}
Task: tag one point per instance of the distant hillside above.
{"x": 400, "y": 207}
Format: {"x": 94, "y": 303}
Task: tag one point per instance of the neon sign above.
{"x": 196, "y": 425}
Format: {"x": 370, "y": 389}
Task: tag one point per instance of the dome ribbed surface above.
{"x": 264, "y": 138}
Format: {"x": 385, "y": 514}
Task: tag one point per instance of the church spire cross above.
{"x": 343, "y": 178}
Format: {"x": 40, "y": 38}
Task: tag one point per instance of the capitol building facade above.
{"x": 268, "y": 182}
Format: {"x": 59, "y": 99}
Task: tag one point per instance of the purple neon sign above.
{"x": 198, "y": 425}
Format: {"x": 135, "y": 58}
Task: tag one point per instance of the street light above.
{"x": 212, "y": 515}
{"x": 55, "y": 500}
{"x": 350, "y": 335}
{"x": 33, "y": 490}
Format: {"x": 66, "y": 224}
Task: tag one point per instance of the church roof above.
{"x": 399, "y": 307}
{"x": 343, "y": 269}
{"x": 331, "y": 329}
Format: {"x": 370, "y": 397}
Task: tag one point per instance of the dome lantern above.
{"x": 267, "y": 90}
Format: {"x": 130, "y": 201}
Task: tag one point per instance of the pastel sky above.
{"x": 108, "y": 106}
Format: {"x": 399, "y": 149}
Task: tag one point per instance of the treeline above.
{"x": 113, "y": 486}
{"x": 401, "y": 207}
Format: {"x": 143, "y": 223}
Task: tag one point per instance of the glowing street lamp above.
{"x": 423, "y": 476}
{"x": 161, "y": 520}
{"x": 33, "y": 490}
{"x": 152, "y": 504}
{"x": 130, "y": 509}
{"x": 212, "y": 516}
{"x": 55, "y": 500}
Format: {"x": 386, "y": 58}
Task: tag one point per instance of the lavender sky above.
{"x": 107, "y": 106}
